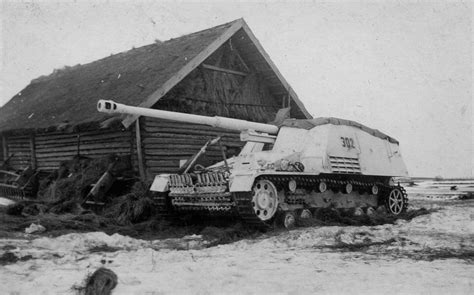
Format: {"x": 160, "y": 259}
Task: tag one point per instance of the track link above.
{"x": 405, "y": 197}
{"x": 162, "y": 205}
{"x": 243, "y": 201}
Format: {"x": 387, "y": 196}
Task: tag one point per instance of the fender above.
{"x": 242, "y": 182}
{"x": 238, "y": 183}
{"x": 160, "y": 183}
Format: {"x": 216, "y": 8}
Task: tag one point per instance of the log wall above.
{"x": 46, "y": 151}
{"x": 165, "y": 143}
{"x": 51, "y": 149}
{"x": 18, "y": 148}
{"x": 2, "y": 153}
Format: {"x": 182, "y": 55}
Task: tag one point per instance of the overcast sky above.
{"x": 402, "y": 67}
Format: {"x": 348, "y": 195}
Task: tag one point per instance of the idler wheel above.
{"x": 396, "y": 203}
{"x": 264, "y": 199}
{"x": 347, "y": 188}
{"x": 322, "y": 187}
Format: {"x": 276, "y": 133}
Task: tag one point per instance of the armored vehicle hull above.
{"x": 287, "y": 172}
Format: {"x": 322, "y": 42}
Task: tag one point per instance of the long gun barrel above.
{"x": 111, "y": 107}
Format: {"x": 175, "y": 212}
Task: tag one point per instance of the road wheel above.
{"x": 322, "y": 187}
{"x": 264, "y": 199}
{"x": 374, "y": 190}
{"x": 288, "y": 219}
{"x": 347, "y": 188}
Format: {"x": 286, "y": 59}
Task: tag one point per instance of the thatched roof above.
{"x": 139, "y": 76}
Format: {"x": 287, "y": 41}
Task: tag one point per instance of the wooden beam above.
{"x": 33, "y": 151}
{"x": 5, "y": 148}
{"x": 132, "y": 147}
{"x": 275, "y": 69}
{"x": 184, "y": 71}
{"x": 241, "y": 59}
{"x": 214, "y": 68}
{"x": 138, "y": 137}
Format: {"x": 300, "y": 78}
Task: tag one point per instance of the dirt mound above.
{"x": 67, "y": 207}
{"x": 225, "y": 235}
{"x": 133, "y": 215}
{"x": 431, "y": 254}
{"x": 10, "y": 258}
{"x": 26, "y": 208}
{"x": 34, "y": 208}
{"x": 15, "y": 209}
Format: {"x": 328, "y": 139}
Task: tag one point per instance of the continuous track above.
{"x": 240, "y": 203}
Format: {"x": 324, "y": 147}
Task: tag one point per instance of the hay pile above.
{"x": 137, "y": 206}
{"x": 73, "y": 180}
{"x": 60, "y": 201}
{"x": 132, "y": 214}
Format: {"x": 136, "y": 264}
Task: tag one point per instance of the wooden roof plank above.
{"x": 218, "y": 69}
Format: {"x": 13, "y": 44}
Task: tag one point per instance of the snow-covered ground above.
{"x": 422, "y": 256}
{"x": 441, "y": 189}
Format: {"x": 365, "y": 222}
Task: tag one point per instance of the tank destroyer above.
{"x": 284, "y": 172}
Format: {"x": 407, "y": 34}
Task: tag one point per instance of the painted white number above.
{"x": 347, "y": 142}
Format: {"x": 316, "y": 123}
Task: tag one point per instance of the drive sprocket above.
{"x": 396, "y": 200}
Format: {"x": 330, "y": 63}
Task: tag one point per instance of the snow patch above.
{"x": 83, "y": 242}
{"x": 6, "y": 202}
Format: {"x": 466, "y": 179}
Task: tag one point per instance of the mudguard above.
{"x": 160, "y": 183}
{"x": 242, "y": 182}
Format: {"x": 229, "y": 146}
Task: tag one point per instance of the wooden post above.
{"x": 5, "y": 148}
{"x": 33, "y": 151}
{"x": 242, "y": 61}
{"x": 138, "y": 137}
{"x": 289, "y": 97}
{"x": 132, "y": 146}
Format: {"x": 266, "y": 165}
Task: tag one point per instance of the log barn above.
{"x": 220, "y": 71}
